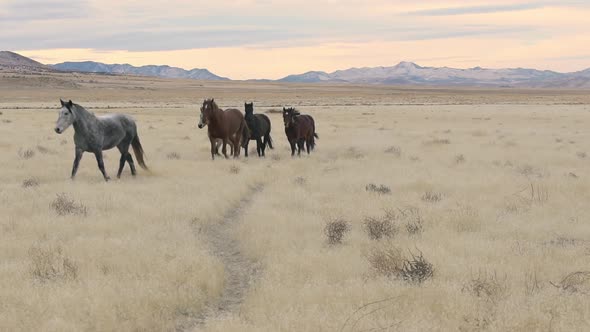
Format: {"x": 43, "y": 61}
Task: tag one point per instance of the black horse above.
{"x": 259, "y": 125}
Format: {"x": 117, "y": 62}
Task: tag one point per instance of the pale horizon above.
{"x": 243, "y": 39}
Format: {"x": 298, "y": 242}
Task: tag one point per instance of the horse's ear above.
{"x": 212, "y": 99}
{"x": 63, "y": 103}
{"x": 69, "y": 104}
{"x": 284, "y": 109}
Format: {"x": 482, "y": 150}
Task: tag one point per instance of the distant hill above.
{"x": 409, "y": 73}
{"x": 14, "y": 61}
{"x": 126, "y": 69}
{"x": 404, "y": 73}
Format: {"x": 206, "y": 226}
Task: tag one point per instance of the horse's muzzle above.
{"x": 200, "y": 125}
{"x": 57, "y": 130}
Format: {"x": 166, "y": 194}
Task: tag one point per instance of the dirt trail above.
{"x": 240, "y": 271}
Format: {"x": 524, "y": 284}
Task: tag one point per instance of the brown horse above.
{"x": 228, "y": 125}
{"x": 299, "y": 129}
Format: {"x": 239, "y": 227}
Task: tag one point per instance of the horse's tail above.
{"x": 138, "y": 150}
{"x": 268, "y": 140}
{"x": 245, "y": 132}
{"x": 316, "y": 135}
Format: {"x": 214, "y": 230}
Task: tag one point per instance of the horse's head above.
{"x": 289, "y": 116}
{"x": 206, "y": 110}
{"x": 66, "y": 116}
{"x": 249, "y": 108}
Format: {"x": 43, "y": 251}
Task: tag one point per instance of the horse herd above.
{"x": 230, "y": 127}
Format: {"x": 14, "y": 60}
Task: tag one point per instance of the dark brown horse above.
{"x": 228, "y": 125}
{"x": 300, "y": 129}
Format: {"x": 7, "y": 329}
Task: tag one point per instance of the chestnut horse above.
{"x": 300, "y": 129}
{"x": 228, "y": 125}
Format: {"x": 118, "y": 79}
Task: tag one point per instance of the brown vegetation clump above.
{"x": 381, "y": 189}
{"x": 26, "y": 154}
{"x": 173, "y": 156}
{"x": 335, "y": 231}
{"x": 234, "y": 169}
{"x": 486, "y": 286}
{"x": 50, "y": 263}
{"x": 391, "y": 263}
{"x": 30, "y": 182}
{"x": 394, "y": 150}
{"x": 64, "y": 205}
{"x": 378, "y": 228}
{"x": 576, "y": 282}
{"x": 432, "y": 197}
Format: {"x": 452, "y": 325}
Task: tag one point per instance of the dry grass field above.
{"x": 420, "y": 210}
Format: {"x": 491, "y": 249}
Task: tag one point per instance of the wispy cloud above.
{"x": 477, "y": 9}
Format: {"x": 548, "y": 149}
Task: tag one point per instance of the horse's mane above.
{"x": 212, "y": 103}
{"x": 294, "y": 111}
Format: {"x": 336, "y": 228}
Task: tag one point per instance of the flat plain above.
{"x": 420, "y": 210}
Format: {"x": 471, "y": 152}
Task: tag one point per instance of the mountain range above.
{"x": 127, "y": 69}
{"x": 404, "y": 73}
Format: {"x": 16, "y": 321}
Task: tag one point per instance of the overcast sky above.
{"x": 270, "y": 39}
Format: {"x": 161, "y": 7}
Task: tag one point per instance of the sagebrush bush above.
{"x": 378, "y": 228}
{"x": 486, "y": 286}
{"x": 234, "y": 169}
{"x": 64, "y": 205}
{"x": 335, "y": 230}
{"x": 26, "y": 154}
{"x": 50, "y": 263}
{"x": 381, "y": 189}
{"x": 173, "y": 156}
{"x": 30, "y": 182}
{"x": 432, "y": 197}
{"x": 391, "y": 263}
{"x": 394, "y": 150}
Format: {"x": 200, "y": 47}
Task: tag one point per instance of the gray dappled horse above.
{"x": 97, "y": 133}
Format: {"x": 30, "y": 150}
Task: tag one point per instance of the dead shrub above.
{"x": 378, "y": 228}
{"x": 437, "y": 141}
{"x": 576, "y": 282}
{"x": 335, "y": 230}
{"x": 6, "y": 121}
{"x": 63, "y": 206}
{"x": 50, "y": 263}
{"x": 173, "y": 156}
{"x": 300, "y": 180}
{"x": 30, "y": 182}
{"x": 432, "y": 197}
{"x": 233, "y": 169}
{"x": 394, "y": 150}
{"x": 386, "y": 262}
{"x": 44, "y": 150}
{"x": 381, "y": 189}
{"x": 413, "y": 219}
{"x": 391, "y": 263}
{"x": 459, "y": 159}
{"x": 531, "y": 284}
{"x": 26, "y": 154}
{"x": 582, "y": 155}
{"x": 486, "y": 286}
{"x": 465, "y": 218}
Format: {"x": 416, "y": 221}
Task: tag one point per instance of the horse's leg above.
{"x": 263, "y": 147}
{"x": 299, "y": 146}
{"x": 308, "y": 144}
{"x": 124, "y": 149}
{"x": 246, "y": 148}
{"x": 79, "y": 153}
{"x": 224, "y": 148}
{"x": 131, "y": 164}
{"x": 292, "y": 142}
{"x": 213, "y": 147}
{"x": 100, "y": 162}
{"x": 259, "y": 147}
